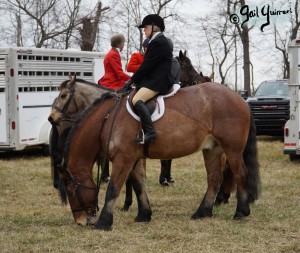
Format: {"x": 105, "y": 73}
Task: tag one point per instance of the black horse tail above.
{"x": 251, "y": 161}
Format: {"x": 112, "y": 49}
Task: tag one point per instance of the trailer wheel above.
{"x": 294, "y": 157}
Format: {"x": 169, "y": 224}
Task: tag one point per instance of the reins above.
{"x": 115, "y": 105}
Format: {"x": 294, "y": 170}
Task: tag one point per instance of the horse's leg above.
{"x": 164, "y": 168}
{"x": 138, "y": 179}
{"x": 168, "y": 172}
{"x": 105, "y": 171}
{"x": 227, "y": 185}
{"x": 119, "y": 174}
{"x": 212, "y": 159}
{"x": 128, "y": 194}
{"x": 240, "y": 173}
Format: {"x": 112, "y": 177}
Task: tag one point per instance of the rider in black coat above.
{"x": 154, "y": 75}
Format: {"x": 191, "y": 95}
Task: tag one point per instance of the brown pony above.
{"x": 218, "y": 120}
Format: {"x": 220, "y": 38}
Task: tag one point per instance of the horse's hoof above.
{"x": 164, "y": 183}
{"x": 105, "y": 179}
{"x": 170, "y": 180}
{"x": 103, "y": 226}
{"x": 142, "y": 218}
{"x": 239, "y": 216}
{"x": 203, "y": 213}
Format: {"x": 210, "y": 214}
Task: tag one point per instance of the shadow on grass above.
{"x": 33, "y": 152}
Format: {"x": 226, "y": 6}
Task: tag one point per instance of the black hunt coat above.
{"x": 155, "y": 71}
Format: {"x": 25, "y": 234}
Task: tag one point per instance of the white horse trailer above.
{"x": 292, "y": 126}
{"x": 29, "y": 81}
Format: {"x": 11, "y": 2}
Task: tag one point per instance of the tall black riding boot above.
{"x": 147, "y": 125}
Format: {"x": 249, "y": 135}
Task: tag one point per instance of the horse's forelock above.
{"x": 63, "y": 85}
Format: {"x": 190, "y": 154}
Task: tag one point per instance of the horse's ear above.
{"x": 184, "y": 53}
{"x": 212, "y": 76}
{"x": 73, "y": 79}
{"x": 201, "y": 73}
{"x": 180, "y": 54}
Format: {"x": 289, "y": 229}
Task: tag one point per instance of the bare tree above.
{"x": 47, "y": 19}
{"x": 244, "y": 35}
{"x": 89, "y": 29}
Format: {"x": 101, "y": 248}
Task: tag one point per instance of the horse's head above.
{"x": 64, "y": 106}
{"x": 82, "y": 196}
{"x": 188, "y": 74}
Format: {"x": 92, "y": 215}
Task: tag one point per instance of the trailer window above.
{"x": 2, "y": 73}
{"x": 52, "y": 58}
{"x": 47, "y": 88}
{"x": 38, "y": 58}
{"x": 2, "y": 89}
{"x": 46, "y": 58}
{"x": 87, "y": 74}
{"x": 59, "y": 58}
{"x": 39, "y": 73}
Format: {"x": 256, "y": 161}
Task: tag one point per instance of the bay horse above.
{"x": 216, "y": 120}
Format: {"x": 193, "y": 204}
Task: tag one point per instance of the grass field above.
{"x": 33, "y": 220}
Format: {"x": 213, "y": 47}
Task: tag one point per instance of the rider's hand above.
{"x": 128, "y": 84}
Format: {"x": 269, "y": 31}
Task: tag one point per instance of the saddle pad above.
{"x": 160, "y": 105}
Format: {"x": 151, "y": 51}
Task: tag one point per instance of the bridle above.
{"x": 89, "y": 209}
{"x": 63, "y": 110}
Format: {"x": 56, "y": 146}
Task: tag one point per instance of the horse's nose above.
{"x": 50, "y": 119}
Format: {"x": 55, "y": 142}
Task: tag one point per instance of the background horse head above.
{"x": 216, "y": 126}
{"x": 188, "y": 74}
{"x": 75, "y": 95}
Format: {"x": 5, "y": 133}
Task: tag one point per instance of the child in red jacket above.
{"x": 114, "y": 76}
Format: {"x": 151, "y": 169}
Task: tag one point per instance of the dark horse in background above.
{"x": 218, "y": 119}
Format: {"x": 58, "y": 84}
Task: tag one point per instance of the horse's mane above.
{"x": 64, "y": 84}
{"x": 81, "y": 118}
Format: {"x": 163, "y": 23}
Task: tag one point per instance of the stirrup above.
{"x": 140, "y": 138}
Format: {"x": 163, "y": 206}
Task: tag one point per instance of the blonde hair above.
{"x": 117, "y": 39}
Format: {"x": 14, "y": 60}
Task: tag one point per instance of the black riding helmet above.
{"x": 153, "y": 19}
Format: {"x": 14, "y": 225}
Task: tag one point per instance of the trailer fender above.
{"x": 45, "y": 132}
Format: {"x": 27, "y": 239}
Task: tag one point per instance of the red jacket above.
{"x": 135, "y": 62}
{"x": 114, "y": 76}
